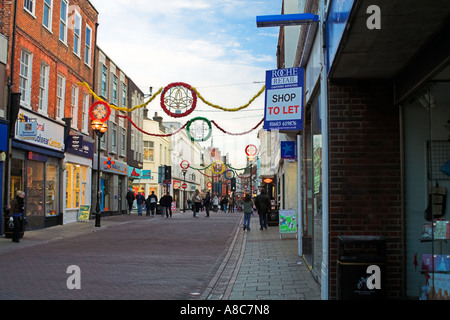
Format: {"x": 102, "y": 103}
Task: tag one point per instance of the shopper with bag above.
{"x": 17, "y": 212}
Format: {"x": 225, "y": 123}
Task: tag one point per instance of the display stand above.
{"x": 288, "y": 222}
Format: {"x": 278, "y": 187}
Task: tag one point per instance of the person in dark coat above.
{"x": 17, "y": 212}
{"x": 140, "y": 200}
{"x": 130, "y": 198}
{"x": 207, "y": 203}
{"x": 150, "y": 203}
{"x": 166, "y": 204}
{"x": 262, "y": 203}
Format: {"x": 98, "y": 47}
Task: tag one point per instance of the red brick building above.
{"x": 51, "y": 46}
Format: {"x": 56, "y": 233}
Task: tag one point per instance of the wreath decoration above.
{"x": 178, "y": 96}
{"x": 218, "y": 162}
{"x": 188, "y": 129}
{"x": 226, "y": 175}
{"x": 100, "y": 111}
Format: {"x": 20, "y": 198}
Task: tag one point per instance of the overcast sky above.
{"x": 213, "y": 45}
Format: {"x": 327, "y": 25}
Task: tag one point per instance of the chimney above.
{"x": 160, "y": 120}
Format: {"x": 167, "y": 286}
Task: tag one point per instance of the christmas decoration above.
{"x": 177, "y": 97}
{"x": 197, "y": 127}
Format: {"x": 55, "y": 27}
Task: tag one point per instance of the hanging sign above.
{"x": 284, "y": 99}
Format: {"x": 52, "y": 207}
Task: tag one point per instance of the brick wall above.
{"x": 46, "y": 47}
{"x": 365, "y": 172}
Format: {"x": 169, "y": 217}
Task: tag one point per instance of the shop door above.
{"x": 35, "y": 195}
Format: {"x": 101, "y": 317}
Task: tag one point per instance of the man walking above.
{"x": 262, "y": 203}
{"x": 150, "y": 203}
{"x": 140, "y": 199}
{"x": 130, "y": 198}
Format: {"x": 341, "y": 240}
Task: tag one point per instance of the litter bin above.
{"x": 273, "y": 217}
{"x": 355, "y": 255}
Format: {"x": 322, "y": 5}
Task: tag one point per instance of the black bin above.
{"x": 273, "y": 217}
{"x": 355, "y": 255}
{"x": 9, "y": 231}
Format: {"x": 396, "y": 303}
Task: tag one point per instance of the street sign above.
{"x": 184, "y": 185}
{"x": 284, "y": 99}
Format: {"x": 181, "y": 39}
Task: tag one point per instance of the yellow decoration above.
{"x": 218, "y": 162}
{"x": 121, "y": 108}
{"x": 230, "y": 110}
{"x": 161, "y": 89}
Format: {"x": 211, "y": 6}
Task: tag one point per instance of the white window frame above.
{"x": 85, "y": 114}
{"x": 60, "y": 96}
{"x": 88, "y": 46}
{"x": 124, "y": 95}
{"x": 63, "y": 20}
{"x": 74, "y": 107}
{"x": 77, "y": 35}
{"x": 49, "y": 7}
{"x": 114, "y": 89}
{"x": 104, "y": 81}
{"x": 27, "y": 4}
{"x": 44, "y": 75}
{"x": 114, "y": 137}
{"x": 25, "y": 77}
{"x": 123, "y": 145}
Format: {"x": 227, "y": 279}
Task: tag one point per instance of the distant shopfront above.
{"x": 37, "y": 153}
{"x": 78, "y": 164}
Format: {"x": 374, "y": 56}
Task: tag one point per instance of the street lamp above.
{"x": 184, "y": 189}
{"x": 99, "y": 128}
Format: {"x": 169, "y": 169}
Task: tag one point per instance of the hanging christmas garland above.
{"x": 197, "y": 132}
{"x": 152, "y": 134}
{"x": 178, "y": 96}
{"x": 193, "y": 91}
{"x": 237, "y": 134}
{"x": 232, "y": 109}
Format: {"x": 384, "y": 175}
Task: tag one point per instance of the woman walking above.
{"x": 248, "y": 209}
{"x": 197, "y": 203}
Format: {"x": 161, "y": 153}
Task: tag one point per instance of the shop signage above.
{"x": 3, "y": 137}
{"x": 176, "y": 184}
{"x": 284, "y": 99}
{"x": 113, "y": 166}
{"x": 39, "y": 131}
{"x": 288, "y": 150}
{"x": 288, "y": 221}
{"x": 147, "y": 174}
{"x": 77, "y": 145}
{"x": 134, "y": 172}
{"x": 84, "y": 213}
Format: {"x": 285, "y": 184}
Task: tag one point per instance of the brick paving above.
{"x": 155, "y": 258}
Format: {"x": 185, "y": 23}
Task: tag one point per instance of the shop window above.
{"x": 34, "y": 194}
{"x": 75, "y": 186}
{"x": 51, "y": 189}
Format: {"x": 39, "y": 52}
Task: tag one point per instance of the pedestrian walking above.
{"x": 150, "y": 203}
{"x": 224, "y": 203}
{"x": 248, "y": 210}
{"x": 262, "y": 204}
{"x": 197, "y": 203}
{"x": 207, "y": 203}
{"x": 215, "y": 203}
{"x": 17, "y": 211}
{"x": 166, "y": 205}
{"x": 140, "y": 200}
{"x": 130, "y": 198}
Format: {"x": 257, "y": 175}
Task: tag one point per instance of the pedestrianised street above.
{"x": 134, "y": 257}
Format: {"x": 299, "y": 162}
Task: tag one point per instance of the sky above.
{"x": 212, "y": 45}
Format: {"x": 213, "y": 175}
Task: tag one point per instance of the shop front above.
{"x": 78, "y": 175}
{"x": 37, "y": 153}
{"x": 113, "y": 186}
{"x": 3, "y": 150}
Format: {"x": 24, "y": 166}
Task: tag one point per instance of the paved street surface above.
{"x": 155, "y": 258}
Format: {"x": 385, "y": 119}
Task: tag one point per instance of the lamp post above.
{"x": 99, "y": 128}
{"x": 184, "y": 189}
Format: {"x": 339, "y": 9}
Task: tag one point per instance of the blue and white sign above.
{"x": 284, "y": 99}
{"x": 288, "y": 150}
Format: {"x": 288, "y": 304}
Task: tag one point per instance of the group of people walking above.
{"x": 261, "y": 203}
